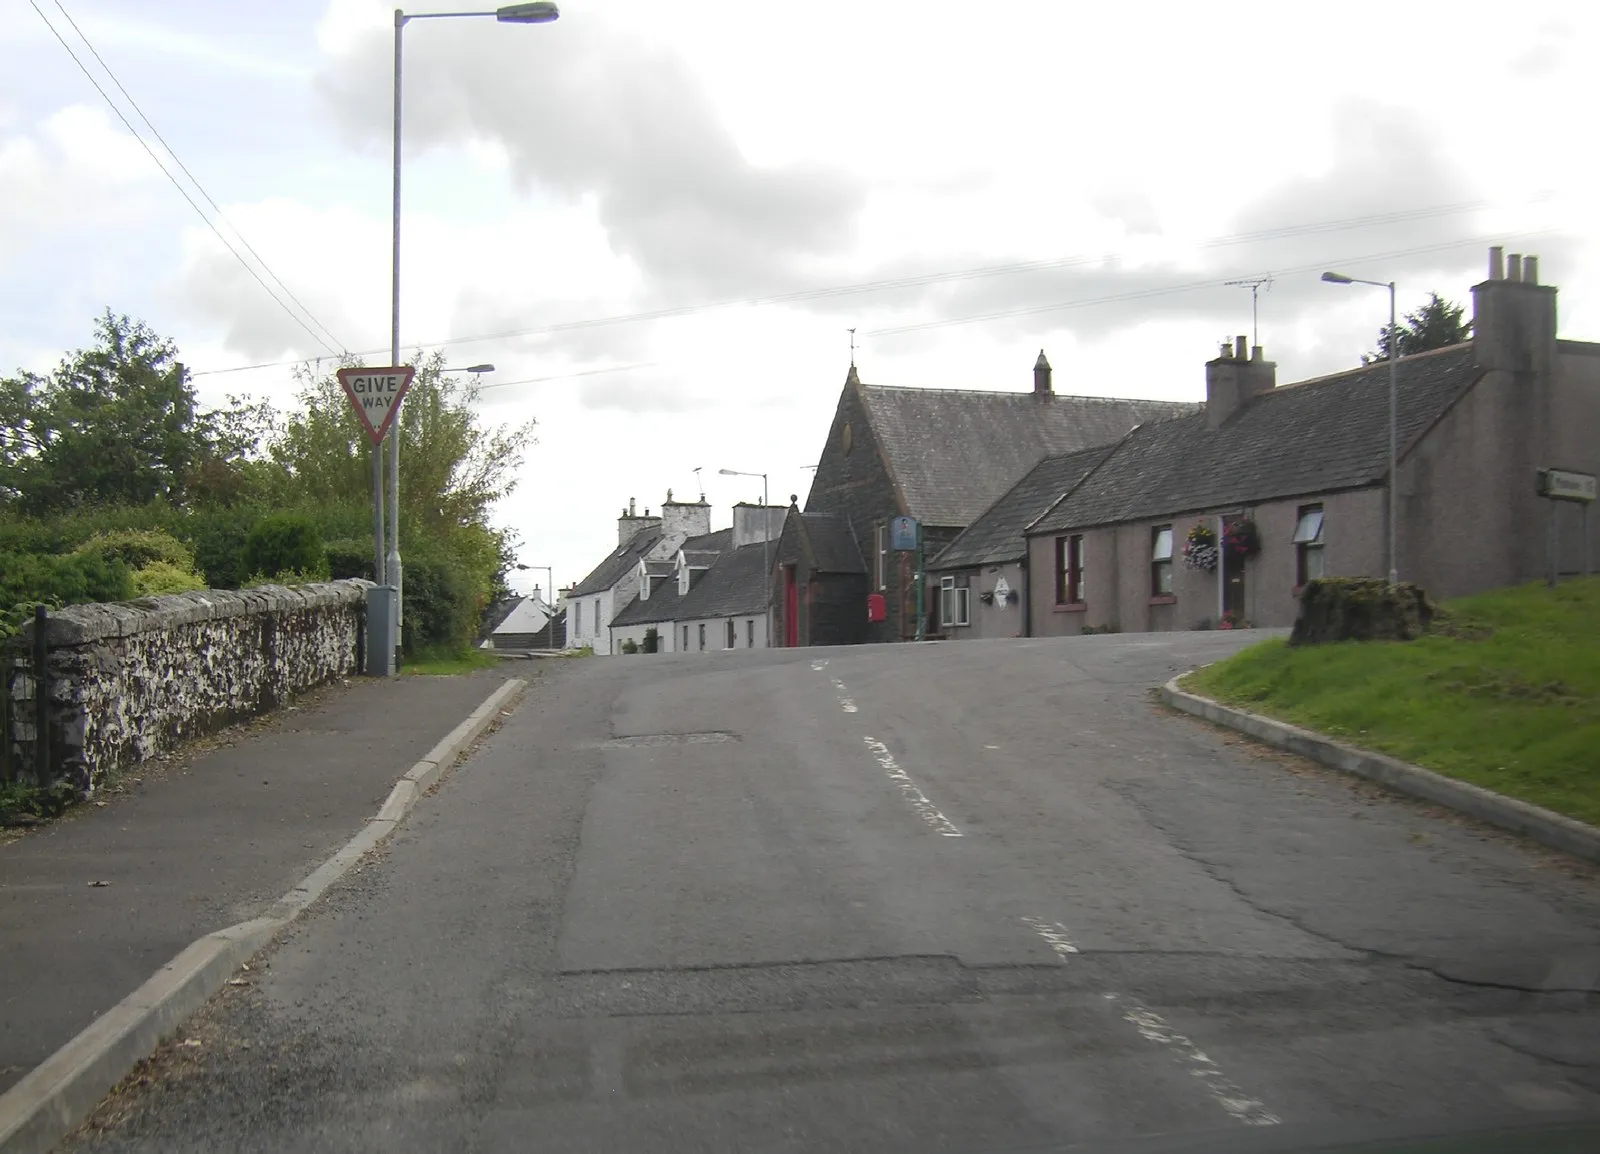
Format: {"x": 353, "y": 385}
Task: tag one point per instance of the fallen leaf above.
{"x": 98, "y": 885}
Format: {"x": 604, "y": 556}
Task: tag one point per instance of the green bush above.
{"x": 440, "y": 610}
{"x": 137, "y": 548}
{"x": 350, "y": 557}
{"x": 630, "y": 646}
{"x": 652, "y": 640}
{"x": 162, "y": 577}
{"x": 218, "y": 538}
{"x": 284, "y": 543}
{"x": 30, "y": 579}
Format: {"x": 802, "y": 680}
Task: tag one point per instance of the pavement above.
{"x": 93, "y": 905}
{"x": 953, "y": 897}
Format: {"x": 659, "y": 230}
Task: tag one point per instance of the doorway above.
{"x": 1233, "y": 589}
{"x": 791, "y": 608}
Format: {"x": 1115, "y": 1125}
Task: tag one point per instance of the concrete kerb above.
{"x": 1542, "y": 825}
{"x": 61, "y": 1091}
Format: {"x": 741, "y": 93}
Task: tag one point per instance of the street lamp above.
{"x": 1394, "y": 409}
{"x": 472, "y": 369}
{"x": 541, "y": 12}
{"x": 766, "y": 535}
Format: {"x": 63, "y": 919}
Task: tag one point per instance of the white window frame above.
{"x": 955, "y": 603}
{"x": 883, "y": 557}
{"x": 1308, "y": 540}
{"x": 1162, "y": 533}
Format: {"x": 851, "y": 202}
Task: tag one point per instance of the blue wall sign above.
{"x": 903, "y": 535}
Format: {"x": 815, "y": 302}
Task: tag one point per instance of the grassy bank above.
{"x": 444, "y": 663}
{"x": 1503, "y": 693}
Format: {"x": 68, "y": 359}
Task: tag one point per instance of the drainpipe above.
{"x": 1027, "y": 593}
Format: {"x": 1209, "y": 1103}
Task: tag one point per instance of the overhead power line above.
{"x": 924, "y": 279}
{"x": 332, "y": 348}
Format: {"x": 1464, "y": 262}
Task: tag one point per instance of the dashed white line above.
{"x": 1152, "y": 1026}
{"x": 820, "y": 663}
{"x": 918, "y": 800}
{"x": 846, "y": 702}
{"x": 1054, "y": 934}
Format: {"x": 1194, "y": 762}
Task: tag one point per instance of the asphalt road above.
{"x": 955, "y": 897}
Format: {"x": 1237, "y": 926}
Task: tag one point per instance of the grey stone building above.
{"x": 943, "y": 456}
{"x": 1302, "y": 470}
{"x": 820, "y": 582}
{"x": 980, "y": 578}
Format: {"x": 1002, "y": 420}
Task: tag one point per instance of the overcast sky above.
{"x": 1011, "y": 176}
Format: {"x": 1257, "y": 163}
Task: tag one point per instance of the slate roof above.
{"x": 619, "y": 563}
{"x": 956, "y": 451}
{"x": 833, "y": 546}
{"x": 662, "y": 605}
{"x": 997, "y": 536}
{"x": 735, "y": 586}
{"x": 1317, "y": 436}
{"x": 719, "y": 542}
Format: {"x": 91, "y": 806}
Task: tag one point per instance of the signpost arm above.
{"x": 394, "y": 572}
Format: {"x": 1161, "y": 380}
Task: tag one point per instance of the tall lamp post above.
{"x": 766, "y": 557}
{"x": 1394, "y": 410}
{"x": 541, "y": 12}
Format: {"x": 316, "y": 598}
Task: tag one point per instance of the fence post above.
{"x": 41, "y": 696}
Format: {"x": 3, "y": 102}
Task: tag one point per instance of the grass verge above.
{"x": 1503, "y": 692}
{"x": 446, "y": 664}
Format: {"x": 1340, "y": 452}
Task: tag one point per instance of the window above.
{"x": 577, "y": 614}
{"x": 702, "y": 636}
{"x": 733, "y": 635}
{"x": 1069, "y": 570}
{"x": 686, "y": 639}
{"x": 882, "y": 535}
{"x": 1308, "y": 565}
{"x": 954, "y": 603}
{"x": 750, "y": 633}
{"x": 596, "y": 626}
{"x": 1161, "y": 561}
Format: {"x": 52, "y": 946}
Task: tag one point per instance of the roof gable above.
{"x": 999, "y": 534}
{"x": 833, "y": 547}
{"x": 734, "y": 586}
{"x": 1316, "y": 436}
{"x": 954, "y": 452}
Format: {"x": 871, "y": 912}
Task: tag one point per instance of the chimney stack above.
{"x": 1514, "y": 318}
{"x": 630, "y": 523}
{"x": 1041, "y": 377}
{"x": 1236, "y": 376}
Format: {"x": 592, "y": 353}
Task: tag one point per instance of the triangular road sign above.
{"x": 376, "y": 395}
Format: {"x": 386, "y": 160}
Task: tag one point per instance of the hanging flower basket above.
{"x": 1200, "y": 548}
{"x": 1242, "y": 539}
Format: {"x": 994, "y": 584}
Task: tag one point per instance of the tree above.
{"x": 116, "y": 423}
{"x": 1436, "y": 325}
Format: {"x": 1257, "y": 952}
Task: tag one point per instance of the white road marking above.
{"x": 846, "y": 702}
{"x": 918, "y": 800}
{"x": 1054, "y": 934}
{"x": 1152, "y": 1026}
{"x": 820, "y": 663}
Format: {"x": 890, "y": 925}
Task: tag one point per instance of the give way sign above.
{"x": 376, "y": 394}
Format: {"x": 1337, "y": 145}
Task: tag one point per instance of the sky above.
{"x": 660, "y": 222}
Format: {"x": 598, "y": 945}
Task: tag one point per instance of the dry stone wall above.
{"x": 130, "y": 680}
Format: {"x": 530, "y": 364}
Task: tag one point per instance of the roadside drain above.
{"x": 652, "y": 739}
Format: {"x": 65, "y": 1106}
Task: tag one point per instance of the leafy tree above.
{"x": 114, "y": 423}
{"x": 1437, "y": 324}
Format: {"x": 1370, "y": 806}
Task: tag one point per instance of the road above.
{"x": 954, "y": 897}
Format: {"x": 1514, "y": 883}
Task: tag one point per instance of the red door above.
{"x": 791, "y": 608}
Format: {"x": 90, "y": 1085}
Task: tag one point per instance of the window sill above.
{"x": 1074, "y": 607}
{"x": 1163, "y": 599}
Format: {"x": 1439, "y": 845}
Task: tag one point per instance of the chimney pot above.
{"x": 1240, "y": 347}
{"x": 1530, "y": 270}
{"x": 1514, "y": 266}
{"x": 1227, "y": 350}
{"x": 1255, "y": 352}
{"x": 1041, "y": 375}
{"x": 1497, "y": 263}
{"x": 630, "y": 506}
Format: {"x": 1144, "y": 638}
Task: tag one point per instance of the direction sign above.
{"x": 376, "y": 395}
{"x": 1565, "y": 485}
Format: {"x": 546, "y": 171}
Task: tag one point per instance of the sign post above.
{"x": 375, "y": 394}
{"x": 1556, "y": 485}
{"x": 905, "y": 536}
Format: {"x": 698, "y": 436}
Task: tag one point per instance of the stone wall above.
{"x": 130, "y": 680}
